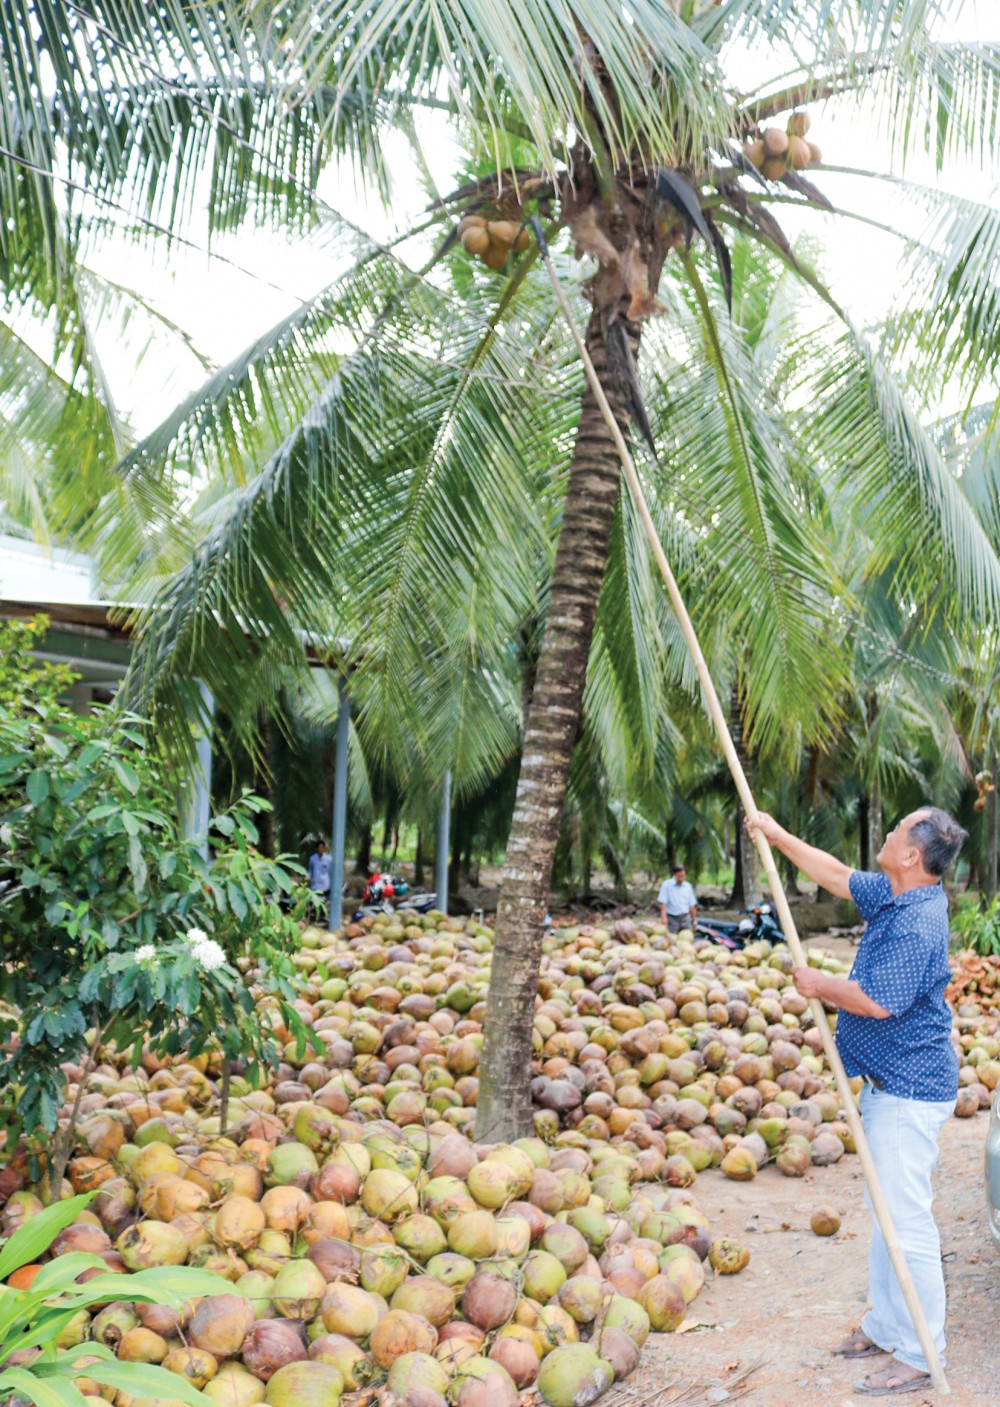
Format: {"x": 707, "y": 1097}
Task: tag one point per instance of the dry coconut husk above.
{"x": 775, "y": 141}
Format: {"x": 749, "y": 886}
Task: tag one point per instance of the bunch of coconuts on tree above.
{"x": 491, "y": 241}
{"x": 775, "y": 151}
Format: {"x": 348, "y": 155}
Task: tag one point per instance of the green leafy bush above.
{"x": 978, "y": 927}
{"x": 33, "y": 1366}
{"x": 115, "y": 928}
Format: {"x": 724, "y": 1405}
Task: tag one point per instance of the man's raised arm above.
{"x": 824, "y": 869}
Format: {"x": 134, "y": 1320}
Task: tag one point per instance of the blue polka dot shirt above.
{"x": 902, "y": 964}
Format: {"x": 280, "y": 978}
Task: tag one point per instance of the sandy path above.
{"x": 801, "y": 1292}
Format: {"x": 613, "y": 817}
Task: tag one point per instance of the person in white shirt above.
{"x": 678, "y": 905}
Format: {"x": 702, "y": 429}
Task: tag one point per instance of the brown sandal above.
{"x": 887, "y": 1382}
{"x": 857, "y": 1345}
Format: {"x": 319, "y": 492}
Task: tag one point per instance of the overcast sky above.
{"x": 223, "y": 308}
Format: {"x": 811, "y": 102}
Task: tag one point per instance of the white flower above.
{"x": 146, "y": 954}
{"x": 6, "y": 835}
{"x": 196, "y": 936}
{"x": 208, "y": 955}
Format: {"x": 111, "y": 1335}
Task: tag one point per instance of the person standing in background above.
{"x": 678, "y": 905}
{"x": 319, "y": 876}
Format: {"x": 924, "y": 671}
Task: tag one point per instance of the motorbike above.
{"x": 759, "y": 922}
{"x": 385, "y": 892}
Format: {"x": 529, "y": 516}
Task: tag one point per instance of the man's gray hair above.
{"x": 939, "y": 838}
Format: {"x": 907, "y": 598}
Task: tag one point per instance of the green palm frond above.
{"x": 949, "y": 323}
{"x": 892, "y": 470}
{"x": 416, "y": 482}
{"x": 929, "y": 95}
{"x": 543, "y": 68}
{"x": 759, "y": 561}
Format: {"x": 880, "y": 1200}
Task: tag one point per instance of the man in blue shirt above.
{"x": 678, "y": 905}
{"x": 319, "y": 875}
{"x": 894, "y": 1029}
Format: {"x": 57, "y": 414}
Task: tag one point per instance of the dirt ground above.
{"x": 801, "y": 1292}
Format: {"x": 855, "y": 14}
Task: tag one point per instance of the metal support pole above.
{"x": 442, "y": 844}
{"x": 338, "y": 827}
{"x": 199, "y": 806}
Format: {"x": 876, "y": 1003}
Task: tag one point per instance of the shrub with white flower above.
{"x": 6, "y": 835}
{"x": 195, "y": 936}
{"x": 208, "y": 954}
{"x": 146, "y": 954}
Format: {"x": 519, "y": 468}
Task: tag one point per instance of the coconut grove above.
{"x": 481, "y": 441}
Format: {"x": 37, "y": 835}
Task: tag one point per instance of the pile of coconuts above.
{"x": 369, "y": 1240}
{"x": 775, "y": 150}
{"x": 364, "y": 1254}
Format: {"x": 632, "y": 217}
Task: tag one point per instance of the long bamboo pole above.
{"x": 718, "y": 717}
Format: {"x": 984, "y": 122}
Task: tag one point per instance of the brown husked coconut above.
{"x": 239, "y": 1223}
{"x": 234, "y": 1386}
{"x": 400, "y": 1332}
{"x": 775, "y": 141}
{"x": 272, "y": 1343}
{"x": 419, "y": 1396}
{"x": 495, "y": 257}
{"x": 161, "y": 1318}
{"x": 801, "y": 122}
{"x": 502, "y": 231}
{"x": 141, "y": 1345}
{"x": 220, "y": 1323}
{"x": 825, "y": 1221}
{"x": 619, "y": 1350}
{"x": 534, "y": 1218}
{"x": 728, "y": 1257}
{"x": 519, "y": 1358}
{"x": 285, "y": 1208}
{"x": 350, "y": 1310}
{"x": 967, "y": 1103}
{"x": 774, "y": 168}
{"x": 488, "y": 1300}
{"x": 194, "y": 1364}
{"x": 336, "y": 1182}
{"x": 815, "y": 155}
{"x": 488, "y": 1389}
{"x": 739, "y": 1164}
{"x": 754, "y": 152}
{"x": 425, "y": 1296}
{"x": 81, "y": 1236}
{"x": 826, "y": 1148}
{"x": 475, "y": 240}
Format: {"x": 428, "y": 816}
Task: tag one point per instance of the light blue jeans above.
{"x": 903, "y": 1136}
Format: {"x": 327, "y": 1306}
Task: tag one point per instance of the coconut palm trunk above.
{"x": 991, "y": 829}
{"x": 504, "y": 1100}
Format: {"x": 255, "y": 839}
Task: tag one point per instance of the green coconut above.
{"x": 574, "y": 1376}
